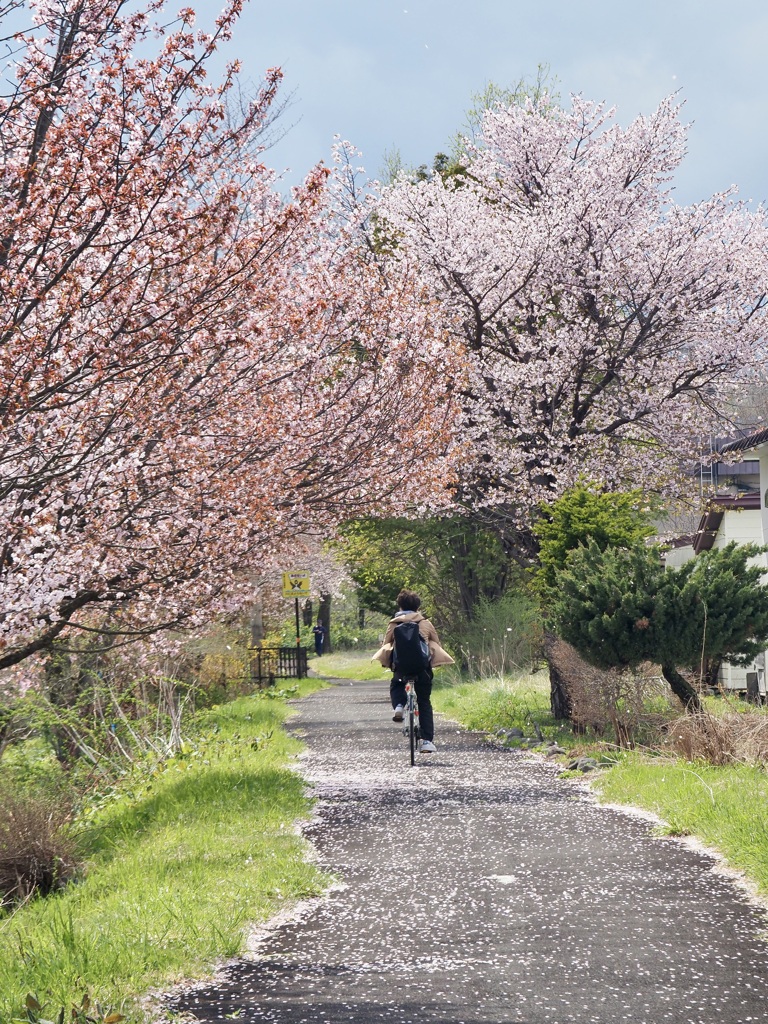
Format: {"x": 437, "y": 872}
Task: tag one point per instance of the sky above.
{"x": 400, "y": 75}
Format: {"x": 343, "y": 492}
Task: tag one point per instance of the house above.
{"x": 737, "y": 512}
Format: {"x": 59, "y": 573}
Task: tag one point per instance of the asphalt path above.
{"x": 479, "y": 887}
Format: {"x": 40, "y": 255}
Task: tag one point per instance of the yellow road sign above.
{"x": 295, "y": 584}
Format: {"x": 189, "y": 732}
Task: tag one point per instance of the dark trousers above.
{"x": 423, "y": 694}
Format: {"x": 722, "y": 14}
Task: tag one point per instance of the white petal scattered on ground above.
{"x": 479, "y": 887}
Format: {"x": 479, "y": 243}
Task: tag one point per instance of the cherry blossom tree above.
{"x": 191, "y": 369}
{"x": 602, "y": 322}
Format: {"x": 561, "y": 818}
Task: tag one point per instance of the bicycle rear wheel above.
{"x": 412, "y": 735}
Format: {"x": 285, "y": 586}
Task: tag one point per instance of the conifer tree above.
{"x": 620, "y": 607}
{"x": 610, "y": 518}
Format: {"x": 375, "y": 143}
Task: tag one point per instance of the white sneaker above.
{"x": 399, "y": 713}
{"x": 427, "y": 747}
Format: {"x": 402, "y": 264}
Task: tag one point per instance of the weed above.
{"x": 84, "y": 1012}
{"x": 725, "y": 738}
{"x": 671, "y": 830}
{"x": 503, "y": 637}
{"x": 37, "y": 851}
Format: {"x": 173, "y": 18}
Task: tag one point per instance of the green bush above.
{"x": 31, "y": 767}
{"x": 620, "y": 607}
{"x": 610, "y": 519}
{"x": 286, "y": 636}
{"x": 348, "y": 638}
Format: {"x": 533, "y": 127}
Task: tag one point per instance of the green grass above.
{"x": 725, "y": 807}
{"x": 486, "y": 705}
{"x": 180, "y": 861}
{"x": 349, "y": 665}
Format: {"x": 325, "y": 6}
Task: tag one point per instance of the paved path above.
{"x": 480, "y": 888}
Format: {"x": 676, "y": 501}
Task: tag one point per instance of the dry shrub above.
{"x": 37, "y": 851}
{"x": 723, "y": 739}
{"x": 629, "y": 702}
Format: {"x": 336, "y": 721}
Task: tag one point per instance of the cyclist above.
{"x": 408, "y": 610}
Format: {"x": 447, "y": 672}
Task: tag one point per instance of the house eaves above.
{"x": 744, "y": 444}
{"x": 712, "y": 519}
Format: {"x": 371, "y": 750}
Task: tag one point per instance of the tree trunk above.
{"x": 306, "y": 612}
{"x": 711, "y": 675}
{"x": 324, "y": 618}
{"x": 257, "y": 623}
{"x": 559, "y": 700}
{"x": 682, "y": 688}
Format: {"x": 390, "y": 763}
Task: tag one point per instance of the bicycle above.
{"x": 411, "y": 717}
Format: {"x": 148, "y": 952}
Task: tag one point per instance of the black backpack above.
{"x": 410, "y": 654}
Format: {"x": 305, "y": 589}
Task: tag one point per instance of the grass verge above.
{"x": 726, "y": 807}
{"x": 506, "y": 702}
{"x": 180, "y": 860}
{"x": 348, "y": 665}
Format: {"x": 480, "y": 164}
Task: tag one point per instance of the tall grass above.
{"x": 179, "y": 860}
{"x": 503, "y": 637}
{"x": 499, "y": 702}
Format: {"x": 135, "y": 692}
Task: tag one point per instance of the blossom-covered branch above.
{"x": 602, "y": 321}
{"x": 191, "y": 368}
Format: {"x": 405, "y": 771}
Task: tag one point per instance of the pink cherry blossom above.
{"x": 192, "y": 370}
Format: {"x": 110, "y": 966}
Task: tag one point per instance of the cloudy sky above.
{"x": 388, "y": 74}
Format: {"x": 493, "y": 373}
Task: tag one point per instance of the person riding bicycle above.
{"x": 408, "y": 611}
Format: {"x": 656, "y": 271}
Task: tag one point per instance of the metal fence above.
{"x": 268, "y": 664}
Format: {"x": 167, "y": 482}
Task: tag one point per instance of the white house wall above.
{"x": 676, "y": 557}
{"x": 761, "y": 453}
{"x": 745, "y": 526}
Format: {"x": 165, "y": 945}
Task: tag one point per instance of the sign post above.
{"x": 296, "y": 585}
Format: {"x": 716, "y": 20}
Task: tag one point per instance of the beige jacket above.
{"x": 427, "y": 631}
